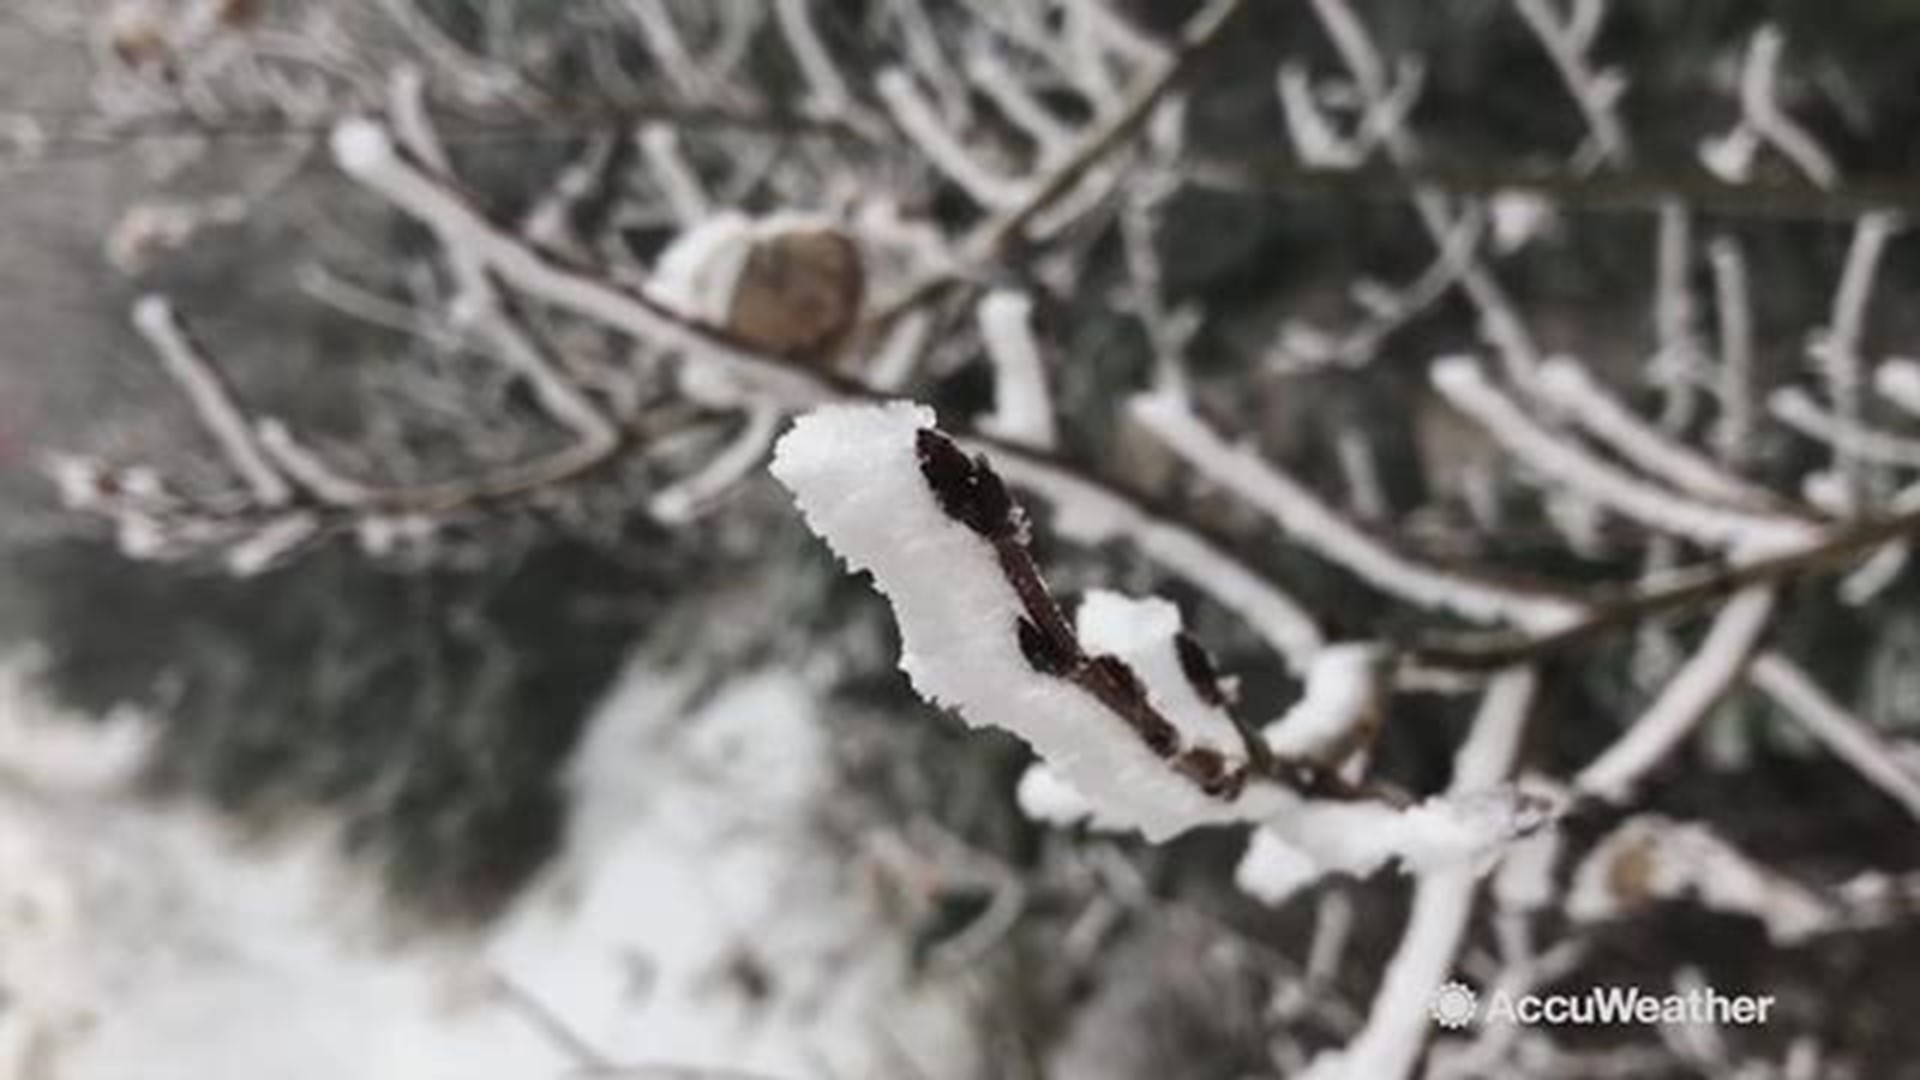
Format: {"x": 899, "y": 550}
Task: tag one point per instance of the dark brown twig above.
{"x": 1683, "y": 592}
{"x": 971, "y": 493}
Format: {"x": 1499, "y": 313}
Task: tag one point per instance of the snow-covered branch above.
{"x": 826, "y": 85}
{"x": 1713, "y": 670}
{"x": 1091, "y": 512}
{"x": 1052, "y": 196}
{"x": 1303, "y": 346}
{"x": 477, "y": 305}
{"x": 212, "y": 400}
{"x": 979, "y": 629}
{"x": 1500, "y": 319}
{"x": 1398, "y": 1024}
{"x": 694, "y": 494}
{"x": 1678, "y": 364}
{"x": 1560, "y": 459}
{"x": 679, "y": 184}
{"x": 1733, "y": 431}
{"x": 1848, "y": 737}
{"x": 919, "y": 119}
{"x": 981, "y": 632}
{"x": 660, "y": 33}
{"x": 306, "y": 467}
{"x": 366, "y": 152}
{"x": 1568, "y": 385}
{"x": 1836, "y": 350}
{"x": 1310, "y": 522}
{"x": 1314, "y": 133}
{"x": 1597, "y": 92}
{"x": 994, "y": 75}
{"x": 1651, "y": 857}
{"x": 1764, "y": 116}
{"x": 1851, "y": 439}
{"x": 1898, "y": 380}
{"x": 1022, "y": 405}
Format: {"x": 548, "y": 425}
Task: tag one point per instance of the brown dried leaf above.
{"x": 799, "y": 294}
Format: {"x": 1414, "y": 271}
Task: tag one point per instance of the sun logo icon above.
{"x": 1454, "y": 1004}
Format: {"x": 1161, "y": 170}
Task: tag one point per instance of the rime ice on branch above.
{"x": 1124, "y": 709}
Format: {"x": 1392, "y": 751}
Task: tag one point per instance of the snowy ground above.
{"x": 693, "y": 922}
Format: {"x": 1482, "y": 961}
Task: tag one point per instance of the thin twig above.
{"x": 1682, "y": 592}
{"x": 551, "y": 1027}
{"x": 989, "y": 241}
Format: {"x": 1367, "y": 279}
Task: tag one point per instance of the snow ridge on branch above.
{"x": 981, "y": 633}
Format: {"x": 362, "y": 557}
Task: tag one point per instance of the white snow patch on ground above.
{"x": 143, "y": 943}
